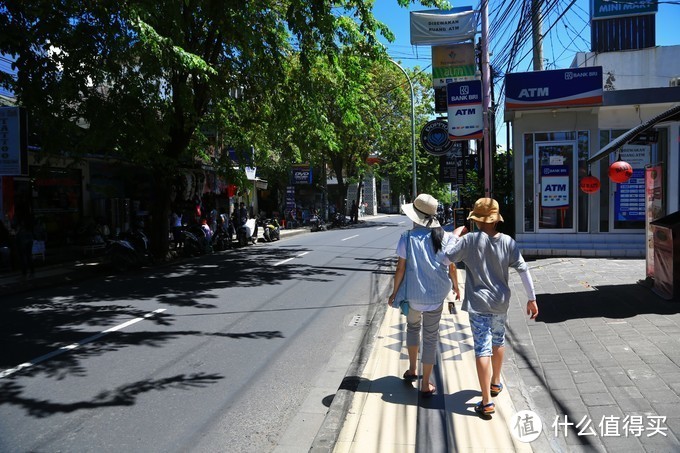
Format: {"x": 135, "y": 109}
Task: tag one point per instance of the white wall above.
{"x": 631, "y": 69}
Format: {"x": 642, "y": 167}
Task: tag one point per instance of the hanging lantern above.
{"x": 620, "y": 171}
{"x": 589, "y": 184}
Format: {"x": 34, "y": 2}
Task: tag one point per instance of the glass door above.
{"x": 556, "y": 186}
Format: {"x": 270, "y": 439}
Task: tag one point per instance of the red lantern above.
{"x": 589, "y": 184}
{"x": 620, "y": 171}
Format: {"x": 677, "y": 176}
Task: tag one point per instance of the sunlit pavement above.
{"x": 598, "y": 371}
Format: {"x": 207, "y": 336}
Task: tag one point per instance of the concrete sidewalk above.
{"x": 599, "y": 370}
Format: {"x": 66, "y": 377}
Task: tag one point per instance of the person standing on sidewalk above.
{"x": 424, "y": 277}
{"x": 488, "y": 256}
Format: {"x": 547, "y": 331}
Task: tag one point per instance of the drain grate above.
{"x": 357, "y": 320}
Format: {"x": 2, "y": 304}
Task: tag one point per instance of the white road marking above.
{"x": 290, "y": 259}
{"x": 401, "y": 223}
{"x": 380, "y": 228}
{"x": 351, "y": 237}
{"x": 73, "y": 346}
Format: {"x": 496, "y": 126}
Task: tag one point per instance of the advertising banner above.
{"x": 555, "y": 186}
{"x": 464, "y": 100}
{"x": 301, "y": 174}
{"x": 434, "y": 27}
{"x": 13, "y": 142}
{"x": 453, "y": 63}
{"x": 629, "y": 200}
{"x": 608, "y": 9}
{"x": 558, "y": 88}
{"x": 654, "y": 208}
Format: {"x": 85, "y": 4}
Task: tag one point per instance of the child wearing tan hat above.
{"x": 488, "y": 255}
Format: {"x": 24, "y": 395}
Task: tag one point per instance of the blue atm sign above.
{"x": 466, "y": 119}
{"x": 575, "y": 87}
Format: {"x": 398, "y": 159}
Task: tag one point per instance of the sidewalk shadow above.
{"x": 460, "y": 402}
{"x": 609, "y": 301}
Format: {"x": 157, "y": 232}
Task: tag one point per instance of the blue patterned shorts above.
{"x": 487, "y": 330}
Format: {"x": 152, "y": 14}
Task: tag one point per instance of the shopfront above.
{"x": 553, "y": 146}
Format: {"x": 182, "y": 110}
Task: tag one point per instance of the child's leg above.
{"x": 498, "y": 346}
{"x": 481, "y": 335}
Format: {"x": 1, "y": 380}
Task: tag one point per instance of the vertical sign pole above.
{"x": 486, "y": 98}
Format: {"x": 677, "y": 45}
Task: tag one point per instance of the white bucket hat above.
{"x": 423, "y": 210}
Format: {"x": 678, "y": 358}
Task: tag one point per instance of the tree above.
{"x": 143, "y": 77}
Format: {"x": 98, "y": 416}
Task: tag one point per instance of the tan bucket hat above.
{"x": 486, "y": 210}
{"x": 423, "y": 210}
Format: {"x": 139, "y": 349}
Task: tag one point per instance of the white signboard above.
{"x": 434, "y": 27}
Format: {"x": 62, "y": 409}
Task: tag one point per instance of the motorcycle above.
{"x": 247, "y": 233}
{"x": 317, "y": 223}
{"x": 271, "y": 231}
{"x": 195, "y": 242}
{"x": 129, "y": 250}
{"x": 339, "y": 220}
{"x": 221, "y": 240}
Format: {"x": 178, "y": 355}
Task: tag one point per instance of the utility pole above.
{"x": 486, "y": 99}
{"x": 536, "y": 34}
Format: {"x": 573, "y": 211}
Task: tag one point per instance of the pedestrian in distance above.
{"x": 488, "y": 256}
{"x": 354, "y": 212}
{"x": 24, "y": 238}
{"x": 424, "y": 276}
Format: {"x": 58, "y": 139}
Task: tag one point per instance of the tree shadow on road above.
{"x": 126, "y": 395}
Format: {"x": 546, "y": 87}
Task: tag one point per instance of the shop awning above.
{"x": 631, "y": 134}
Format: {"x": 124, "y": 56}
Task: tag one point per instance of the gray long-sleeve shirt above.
{"x": 487, "y": 266}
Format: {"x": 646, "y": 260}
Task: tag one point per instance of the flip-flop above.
{"x": 410, "y": 377}
{"x": 496, "y": 389}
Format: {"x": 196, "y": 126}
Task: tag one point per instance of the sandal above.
{"x": 496, "y": 389}
{"x": 428, "y": 393}
{"x": 410, "y": 377}
{"x": 486, "y": 409}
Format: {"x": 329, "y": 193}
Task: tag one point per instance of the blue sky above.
{"x": 569, "y": 35}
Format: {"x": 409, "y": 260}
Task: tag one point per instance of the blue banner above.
{"x": 558, "y": 88}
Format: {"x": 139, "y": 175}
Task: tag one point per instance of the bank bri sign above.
{"x": 574, "y": 87}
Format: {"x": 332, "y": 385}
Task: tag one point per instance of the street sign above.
{"x": 464, "y": 99}
{"x": 434, "y": 137}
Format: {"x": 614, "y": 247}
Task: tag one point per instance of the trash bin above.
{"x": 666, "y": 233}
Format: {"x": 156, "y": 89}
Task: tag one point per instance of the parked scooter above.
{"x": 271, "y": 230}
{"x": 129, "y": 250}
{"x": 339, "y": 220}
{"x": 247, "y": 233}
{"x": 317, "y": 223}
{"x": 195, "y": 242}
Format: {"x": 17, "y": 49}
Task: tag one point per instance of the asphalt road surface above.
{"x": 238, "y": 351}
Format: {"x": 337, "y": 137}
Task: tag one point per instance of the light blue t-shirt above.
{"x": 426, "y": 281}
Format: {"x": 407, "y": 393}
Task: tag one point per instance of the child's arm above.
{"x": 453, "y": 275}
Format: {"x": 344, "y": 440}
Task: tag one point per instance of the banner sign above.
{"x": 464, "y": 100}
{"x": 434, "y": 137}
{"x": 453, "y": 63}
{"x": 433, "y": 27}
{"x": 452, "y": 165}
{"x": 654, "y": 208}
{"x": 301, "y": 174}
{"x": 13, "y": 142}
{"x": 607, "y": 9}
{"x": 629, "y": 199}
{"x": 575, "y": 87}
{"x": 555, "y": 186}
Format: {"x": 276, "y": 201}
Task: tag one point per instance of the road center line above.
{"x": 73, "y": 346}
{"x": 351, "y": 237}
{"x": 290, "y": 259}
{"x": 380, "y": 228}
